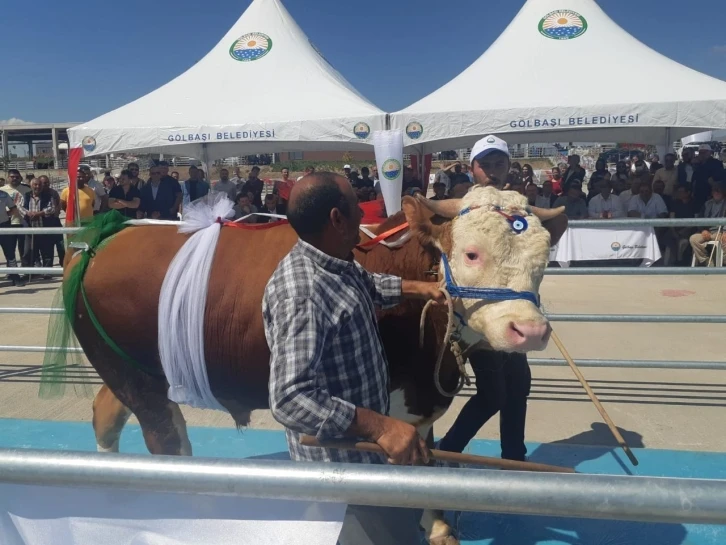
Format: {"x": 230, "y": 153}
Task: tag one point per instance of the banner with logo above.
{"x": 388, "y": 146}
{"x": 43, "y": 515}
{"x": 74, "y": 159}
{"x": 587, "y": 244}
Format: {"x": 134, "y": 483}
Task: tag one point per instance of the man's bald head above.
{"x": 313, "y": 200}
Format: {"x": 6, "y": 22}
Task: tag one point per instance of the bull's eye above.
{"x": 472, "y": 256}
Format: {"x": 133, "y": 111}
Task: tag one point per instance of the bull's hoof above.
{"x": 444, "y": 540}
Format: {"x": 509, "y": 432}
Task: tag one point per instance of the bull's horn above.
{"x": 446, "y": 209}
{"x": 545, "y": 214}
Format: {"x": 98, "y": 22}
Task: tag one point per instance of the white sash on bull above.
{"x": 183, "y": 301}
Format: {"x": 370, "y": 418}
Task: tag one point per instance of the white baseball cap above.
{"x": 487, "y": 145}
{"x": 346, "y": 166}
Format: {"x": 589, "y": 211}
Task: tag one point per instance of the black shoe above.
{"x": 19, "y": 282}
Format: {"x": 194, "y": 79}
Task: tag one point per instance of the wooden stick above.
{"x": 713, "y": 250}
{"x": 595, "y": 400}
{"x": 442, "y": 456}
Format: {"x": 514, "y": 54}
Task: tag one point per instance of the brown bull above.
{"x": 123, "y": 284}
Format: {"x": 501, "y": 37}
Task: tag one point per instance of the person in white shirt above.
{"x": 225, "y": 185}
{"x": 237, "y": 178}
{"x": 668, "y": 175}
{"x": 8, "y": 209}
{"x": 628, "y": 194}
{"x": 647, "y": 205}
{"x": 605, "y": 205}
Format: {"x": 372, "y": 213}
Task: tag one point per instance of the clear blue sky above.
{"x": 74, "y": 60}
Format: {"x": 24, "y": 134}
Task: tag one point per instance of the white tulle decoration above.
{"x": 183, "y": 301}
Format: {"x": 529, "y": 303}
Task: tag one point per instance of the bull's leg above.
{"x": 437, "y": 530}
{"x": 164, "y": 428}
{"x": 109, "y": 418}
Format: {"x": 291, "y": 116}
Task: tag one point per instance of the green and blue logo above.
{"x": 251, "y": 47}
{"x": 563, "y": 24}
{"x": 391, "y": 169}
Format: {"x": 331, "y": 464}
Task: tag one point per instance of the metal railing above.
{"x": 626, "y": 498}
{"x": 632, "y": 364}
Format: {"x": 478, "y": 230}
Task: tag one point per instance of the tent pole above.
{"x": 205, "y": 160}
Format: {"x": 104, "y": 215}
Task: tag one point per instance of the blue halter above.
{"x": 489, "y": 294}
{"x": 518, "y": 225}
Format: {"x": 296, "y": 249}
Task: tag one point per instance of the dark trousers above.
{"x": 57, "y": 240}
{"x": 503, "y": 382}
{"x": 8, "y": 244}
{"x": 38, "y": 249}
{"x": 19, "y": 241}
{"x": 365, "y": 525}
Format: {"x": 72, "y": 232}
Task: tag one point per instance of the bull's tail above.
{"x": 63, "y": 362}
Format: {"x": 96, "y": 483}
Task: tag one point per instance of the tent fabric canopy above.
{"x": 512, "y": 91}
{"x": 263, "y": 88}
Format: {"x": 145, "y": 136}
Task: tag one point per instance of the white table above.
{"x": 603, "y": 243}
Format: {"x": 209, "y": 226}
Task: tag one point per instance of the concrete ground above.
{"x": 673, "y": 409}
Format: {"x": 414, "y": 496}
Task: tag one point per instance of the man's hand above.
{"x": 399, "y": 440}
{"x": 155, "y": 215}
{"x": 413, "y": 289}
{"x": 706, "y": 234}
{"x": 402, "y": 443}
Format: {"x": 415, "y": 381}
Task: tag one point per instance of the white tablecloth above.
{"x": 40, "y": 515}
{"x": 586, "y": 244}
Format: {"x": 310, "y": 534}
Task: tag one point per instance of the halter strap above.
{"x": 488, "y": 294}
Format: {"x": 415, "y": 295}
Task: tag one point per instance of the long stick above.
{"x": 442, "y": 456}
{"x": 595, "y": 400}
{"x": 713, "y": 250}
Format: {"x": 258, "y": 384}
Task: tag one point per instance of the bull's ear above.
{"x": 557, "y": 227}
{"x": 430, "y": 229}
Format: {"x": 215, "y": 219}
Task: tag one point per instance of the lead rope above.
{"x": 455, "y": 348}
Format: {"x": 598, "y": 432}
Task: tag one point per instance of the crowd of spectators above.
{"x": 690, "y": 188}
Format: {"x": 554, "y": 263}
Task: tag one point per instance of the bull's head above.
{"x": 486, "y": 247}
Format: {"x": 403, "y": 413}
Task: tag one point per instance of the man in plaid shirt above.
{"x": 328, "y": 369}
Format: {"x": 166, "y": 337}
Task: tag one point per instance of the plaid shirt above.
{"x": 35, "y": 204}
{"x": 327, "y": 356}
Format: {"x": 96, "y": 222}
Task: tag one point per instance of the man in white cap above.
{"x": 708, "y": 171}
{"x": 503, "y": 380}
{"x": 490, "y": 161}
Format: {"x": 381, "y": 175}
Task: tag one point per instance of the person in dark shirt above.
{"x": 365, "y": 180}
{"x": 573, "y": 173}
{"x": 658, "y": 189}
{"x": 439, "y": 191}
{"x": 271, "y": 207}
{"x": 410, "y": 180}
{"x": 458, "y": 177}
{"x": 655, "y": 164}
{"x": 124, "y": 196}
{"x": 708, "y": 171}
{"x": 684, "y": 207}
{"x": 160, "y": 198}
{"x": 255, "y": 186}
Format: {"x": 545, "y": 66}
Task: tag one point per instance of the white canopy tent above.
{"x": 263, "y": 88}
{"x": 533, "y": 85}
